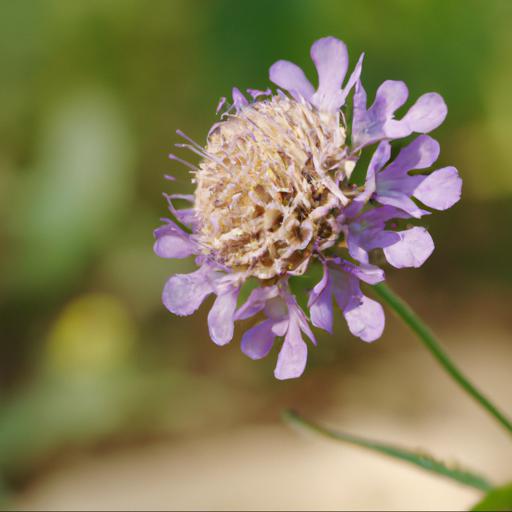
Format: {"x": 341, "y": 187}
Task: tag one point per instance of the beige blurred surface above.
{"x": 272, "y": 467}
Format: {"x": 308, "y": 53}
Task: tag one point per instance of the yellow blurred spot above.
{"x": 93, "y": 332}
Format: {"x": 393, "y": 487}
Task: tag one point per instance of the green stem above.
{"x": 432, "y": 344}
{"x": 422, "y": 460}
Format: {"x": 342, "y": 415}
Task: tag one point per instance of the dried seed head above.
{"x": 269, "y": 192}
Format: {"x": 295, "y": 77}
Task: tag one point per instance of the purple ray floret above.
{"x": 378, "y": 122}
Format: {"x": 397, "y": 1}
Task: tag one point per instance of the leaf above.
{"x": 422, "y": 460}
{"x": 498, "y": 499}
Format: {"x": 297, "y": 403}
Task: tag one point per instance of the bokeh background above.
{"x": 109, "y": 402}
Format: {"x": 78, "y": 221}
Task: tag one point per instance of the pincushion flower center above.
{"x": 271, "y": 187}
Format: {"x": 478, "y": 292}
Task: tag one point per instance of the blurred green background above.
{"x": 91, "y": 94}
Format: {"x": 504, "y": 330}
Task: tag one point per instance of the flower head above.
{"x": 274, "y": 195}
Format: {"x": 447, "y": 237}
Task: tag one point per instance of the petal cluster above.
{"x": 274, "y": 196}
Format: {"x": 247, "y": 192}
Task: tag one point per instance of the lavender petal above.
{"x": 239, "y": 100}
{"x": 413, "y": 249}
{"x": 351, "y": 82}
{"x": 256, "y": 302}
{"x": 403, "y": 202}
{"x": 421, "y": 153}
{"x": 173, "y": 242}
{"x": 320, "y": 303}
{"x": 221, "y": 323}
{"x": 289, "y": 76}
{"x": 366, "y": 320}
{"x": 292, "y": 358}
{"x": 258, "y": 340}
{"x": 427, "y": 113}
{"x": 330, "y": 56}
{"x": 441, "y": 189}
{"x": 184, "y": 293}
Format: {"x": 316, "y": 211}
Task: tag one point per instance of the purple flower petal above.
{"x": 221, "y": 103}
{"x": 345, "y": 287}
{"x": 427, "y": 113}
{"x": 356, "y": 249}
{"x": 379, "y": 159}
{"x": 321, "y": 311}
{"x": 378, "y": 123}
{"x": 413, "y": 249}
{"x": 279, "y": 327}
{"x": 295, "y": 312}
{"x": 421, "y": 153}
{"x": 255, "y": 93}
{"x": 293, "y": 354}
{"x": 370, "y": 274}
{"x": 390, "y": 96}
{"x": 367, "y": 232}
{"x": 173, "y": 242}
{"x": 221, "y": 322}
{"x": 441, "y": 189}
{"x": 256, "y": 302}
{"x": 239, "y": 100}
{"x": 258, "y": 340}
{"x": 184, "y": 293}
{"x": 187, "y": 216}
{"x": 331, "y": 60}
{"x": 320, "y": 303}
{"x": 359, "y": 114}
{"x": 402, "y": 201}
{"x": 378, "y": 216}
{"x": 364, "y": 316}
{"x": 354, "y": 77}
{"x": 276, "y": 308}
{"x": 366, "y": 321}
{"x": 289, "y": 76}
{"x": 395, "y": 186}
{"x": 395, "y": 129}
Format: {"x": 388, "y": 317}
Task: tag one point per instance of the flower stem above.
{"x": 419, "y": 459}
{"x": 432, "y": 344}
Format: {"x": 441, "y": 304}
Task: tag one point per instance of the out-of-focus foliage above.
{"x": 84, "y": 159}
{"x": 92, "y": 93}
{"x": 498, "y": 499}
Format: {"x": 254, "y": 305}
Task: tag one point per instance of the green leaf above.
{"x": 499, "y": 498}
{"x": 422, "y": 460}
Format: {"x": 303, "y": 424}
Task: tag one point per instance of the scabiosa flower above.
{"x": 274, "y": 195}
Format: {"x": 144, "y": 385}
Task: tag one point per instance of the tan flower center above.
{"x": 269, "y": 193}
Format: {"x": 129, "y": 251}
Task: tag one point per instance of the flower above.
{"x": 274, "y": 195}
